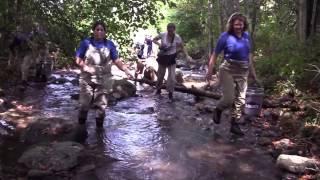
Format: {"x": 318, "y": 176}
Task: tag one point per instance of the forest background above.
{"x": 285, "y": 33}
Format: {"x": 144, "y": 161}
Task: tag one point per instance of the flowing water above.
{"x": 150, "y": 137}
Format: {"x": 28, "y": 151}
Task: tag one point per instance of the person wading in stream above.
{"x": 170, "y": 44}
{"x": 95, "y": 56}
{"x": 234, "y": 71}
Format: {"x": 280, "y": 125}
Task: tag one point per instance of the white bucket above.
{"x": 254, "y": 100}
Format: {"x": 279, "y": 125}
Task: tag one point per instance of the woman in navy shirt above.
{"x": 233, "y": 74}
{"x": 95, "y": 57}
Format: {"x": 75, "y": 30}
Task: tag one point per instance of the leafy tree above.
{"x": 70, "y": 20}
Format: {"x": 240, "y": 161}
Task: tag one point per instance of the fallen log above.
{"x": 200, "y": 92}
{"x": 292, "y": 105}
{"x": 183, "y": 89}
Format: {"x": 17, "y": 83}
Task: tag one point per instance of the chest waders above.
{"x": 96, "y": 85}
{"x": 233, "y": 78}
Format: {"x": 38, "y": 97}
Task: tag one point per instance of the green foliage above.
{"x": 190, "y": 17}
{"x": 69, "y": 21}
{"x": 281, "y": 57}
{"x": 121, "y": 17}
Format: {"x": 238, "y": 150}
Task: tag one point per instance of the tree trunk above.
{"x": 183, "y": 89}
{"x": 227, "y": 7}
{"x": 252, "y": 10}
{"x": 302, "y": 20}
{"x": 210, "y": 27}
{"x": 19, "y": 11}
{"x": 313, "y": 17}
{"x": 277, "y": 103}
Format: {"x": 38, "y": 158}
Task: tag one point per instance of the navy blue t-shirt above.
{"x": 81, "y": 51}
{"x": 234, "y": 47}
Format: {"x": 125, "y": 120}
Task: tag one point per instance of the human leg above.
{"x": 236, "y": 111}
{"x": 85, "y": 98}
{"x": 226, "y": 101}
{"x": 171, "y": 80}
{"x": 160, "y": 74}
{"x": 100, "y": 103}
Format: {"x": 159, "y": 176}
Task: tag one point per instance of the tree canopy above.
{"x": 66, "y": 21}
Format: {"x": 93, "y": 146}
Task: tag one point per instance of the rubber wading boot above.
{"x": 82, "y": 120}
{"x": 158, "y": 92}
{"x": 99, "y": 122}
{"x": 82, "y": 117}
{"x": 170, "y": 95}
{"x": 217, "y": 115}
{"x": 235, "y": 129}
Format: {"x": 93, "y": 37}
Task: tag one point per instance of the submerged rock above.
{"x": 123, "y": 89}
{"x": 48, "y": 130}
{"x": 52, "y": 157}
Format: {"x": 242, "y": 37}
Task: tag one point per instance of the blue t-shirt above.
{"x": 234, "y": 47}
{"x": 81, "y": 51}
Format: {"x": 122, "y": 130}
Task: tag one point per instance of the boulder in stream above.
{"x": 52, "y": 157}
{"x": 123, "y": 89}
{"x": 48, "y": 130}
{"x": 296, "y": 164}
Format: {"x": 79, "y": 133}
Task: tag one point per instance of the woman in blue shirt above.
{"x": 233, "y": 74}
{"x": 95, "y": 57}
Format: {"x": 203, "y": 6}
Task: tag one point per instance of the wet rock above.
{"x": 165, "y": 117}
{"x": 2, "y": 93}
{"x": 86, "y": 168}
{"x": 61, "y": 80}
{"x": 270, "y": 133}
{"x": 264, "y": 141}
{"x": 204, "y": 107}
{"x": 283, "y": 144}
{"x": 49, "y": 129}
{"x": 270, "y": 115}
{"x": 51, "y": 157}
{"x": 38, "y": 173}
{"x": 296, "y": 164}
{"x": 182, "y": 63}
{"x": 51, "y": 80}
{"x": 123, "y": 89}
{"x": 289, "y": 176}
{"x": 5, "y": 105}
{"x": 148, "y": 110}
{"x": 75, "y": 82}
{"x": 308, "y": 131}
{"x": 316, "y": 136}
{"x": 290, "y": 123}
{"x": 199, "y": 121}
{"x": 75, "y": 96}
{"x": 179, "y": 77}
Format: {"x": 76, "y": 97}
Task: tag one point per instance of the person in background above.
{"x": 170, "y": 43}
{"x": 95, "y": 57}
{"x": 234, "y": 71}
{"x": 148, "y": 42}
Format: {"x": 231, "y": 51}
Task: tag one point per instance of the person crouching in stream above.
{"x": 95, "y": 56}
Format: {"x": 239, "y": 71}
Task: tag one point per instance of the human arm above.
{"x": 80, "y": 62}
{"x": 83, "y": 67}
{"x": 123, "y": 67}
{"x": 80, "y": 57}
{"x": 252, "y": 70}
{"x": 180, "y": 45}
{"x": 212, "y": 61}
{"x": 156, "y": 39}
{"x": 214, "y": 55}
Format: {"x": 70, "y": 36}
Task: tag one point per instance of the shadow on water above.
{"x": 150, "y": 138}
